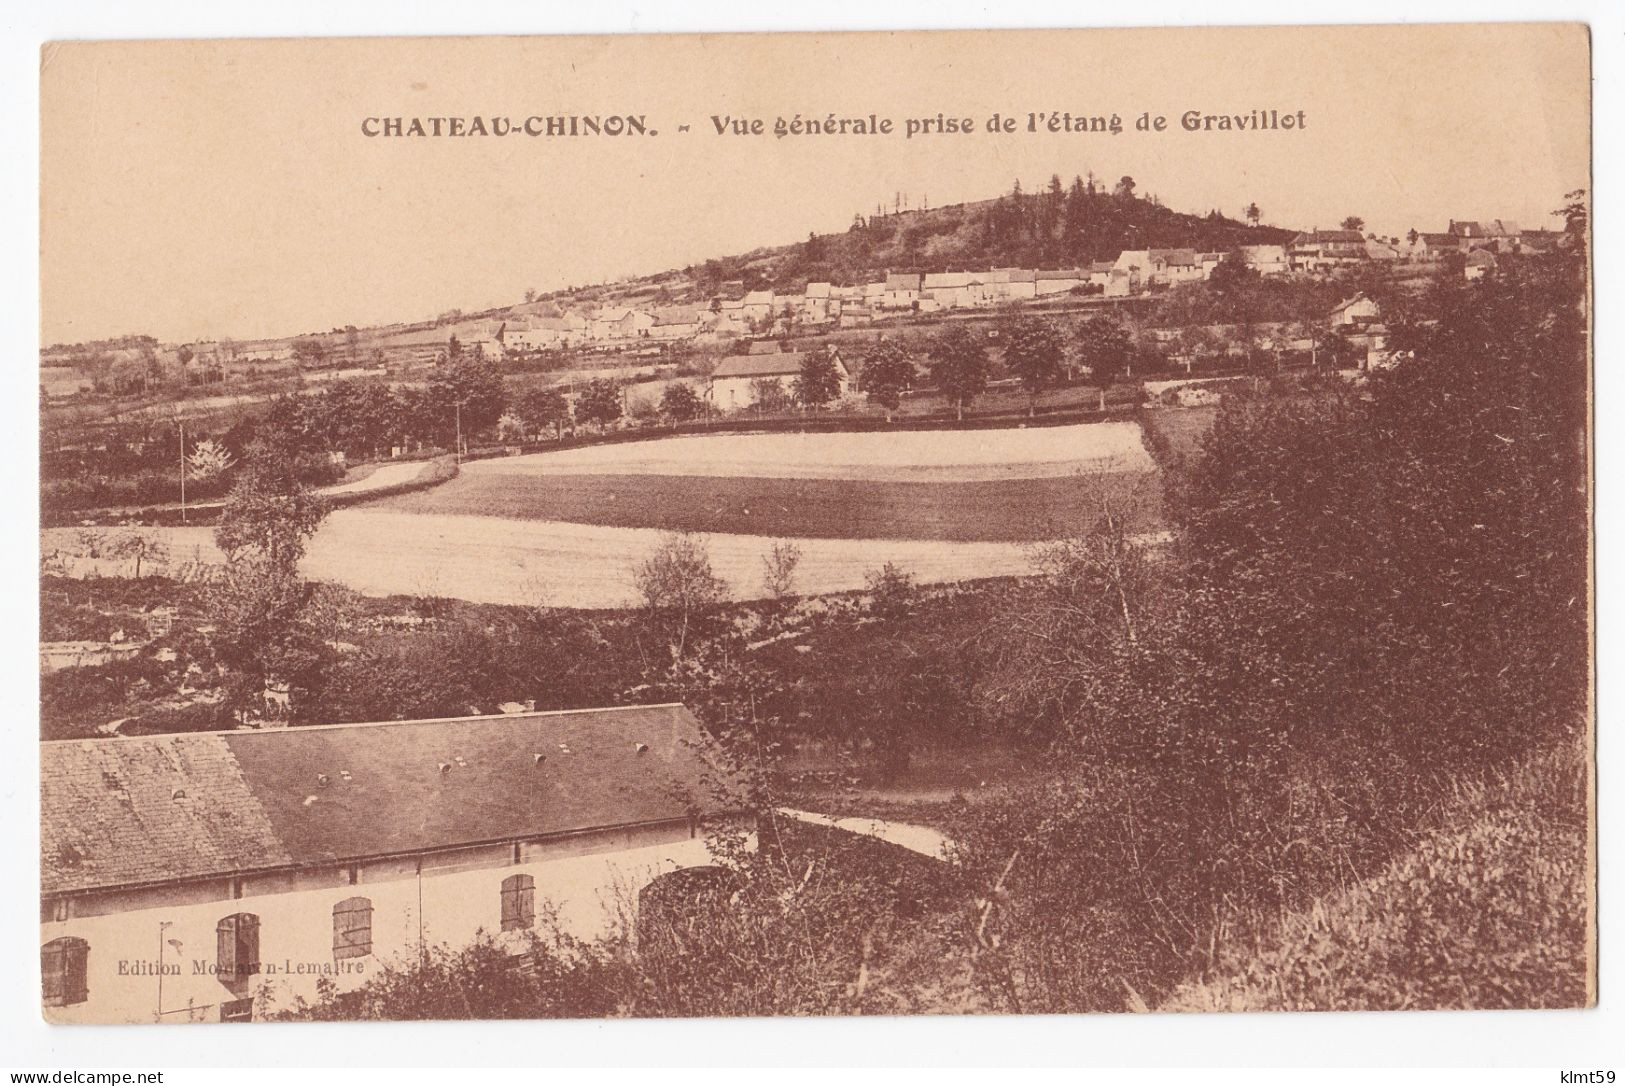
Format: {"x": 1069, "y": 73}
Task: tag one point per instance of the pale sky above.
{"x": 200, "y": 189}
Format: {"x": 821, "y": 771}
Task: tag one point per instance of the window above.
{"x": 352, "y": 928}
{"x": 64, "y": 967}
{"x": 237, "y": 945}
{"x": 518, "y": 902}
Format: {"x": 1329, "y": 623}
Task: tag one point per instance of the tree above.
{"x": 269, "y": 511}
{"x": 139, "y": 546}
{"x": 769, "y": 396}
{"x": 680, "y": 402}
{"x": 1354, "y": 222}
{"x": 1105, "y": 347}
{"x": 1125, "y": 188}
{"x": 1034, "y": 351}
{"x": 464, "y": 395}
{"x": 677, "y": 586}
{"x": 957, "y": 359}
{"x": 543, "y": 407}
{"x": 1412, "y": 236}
{"x": 600, "y": 403}
{"x": 819, "y": 381}
{"x": 209, "y": 460}
{"x": 310, "y": 352}
{"x": 1253, "y": 213}
{"x": 888, "y": 370}
{"x": 891, "y": 590}
{"x": 1232, "y": 274}
{"x": 779, "y": 569}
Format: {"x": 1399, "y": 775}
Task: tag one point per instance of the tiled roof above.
{"x": 117, "y": 812}
{"x": 683, "y": 314}
{"x": 1176, "y": 257}
{"x": 1315, "y": 237}
{"x": 783, "y": 364}
{"x": 903, "y": 281}
{"x": 1061, "y": 273}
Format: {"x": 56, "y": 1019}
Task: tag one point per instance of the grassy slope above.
{"x": 1487, "y": 911}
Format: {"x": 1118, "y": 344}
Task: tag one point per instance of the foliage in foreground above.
{"x": 1488, "y": 911}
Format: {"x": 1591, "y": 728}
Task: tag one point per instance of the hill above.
{"x": 1058, "y": 227}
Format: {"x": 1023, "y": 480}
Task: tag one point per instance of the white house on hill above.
{"x": 210, "y": 876}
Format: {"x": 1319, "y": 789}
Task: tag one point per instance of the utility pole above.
{"x": 457, "y": 453}
{"x": 183, "y": 473}
{"x": 163, "y": 925}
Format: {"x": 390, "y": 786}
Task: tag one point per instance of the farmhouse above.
{"x": 818, "y": 304}
{"x": 676, "y": 322}
{"x": 758, "y": 307}
{"x": 1322, "y": 250}
{"x": 900, "y": 291}
{"x": 736, "y": 382}
{"x": 1434, "y": 246}
{"x": 1266, "y": 259}
{"x": 189, "y": 877}
{"x": 1356, "y": 310}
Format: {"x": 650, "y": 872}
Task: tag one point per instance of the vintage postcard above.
{"x": 1016, "y": 522}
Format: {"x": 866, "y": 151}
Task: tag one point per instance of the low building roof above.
{"x": 903, "y": 281}
{"x": 1061, "y": 273}
{"x": 1176, "y": 257}
{"x": 817, "y": 290}
{"x": 1315, "y": 237}
{"x": 682, "y": 314}
{"x": 163, "y": 808}
{"x": 783, "y": 364}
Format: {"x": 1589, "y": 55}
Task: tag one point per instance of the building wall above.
{"x": 458, "y": 894}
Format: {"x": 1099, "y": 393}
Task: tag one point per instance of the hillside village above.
{"x": 904, "y": 266}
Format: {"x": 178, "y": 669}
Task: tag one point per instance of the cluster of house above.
{"x": 735, "y": 311}
{"x": 1479, "y": 242}
{"x": 217, "y": 876}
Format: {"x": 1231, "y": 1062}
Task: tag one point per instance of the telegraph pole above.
{"x": 183, "y": 473}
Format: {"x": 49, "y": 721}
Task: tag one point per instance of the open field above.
{"x": 933, "y": 455}
{"x": 1017, "y": 510}
{"x": 1015, "y": 485}
{"x": 496, "y": 560}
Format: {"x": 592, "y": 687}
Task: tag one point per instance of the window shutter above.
{"x": 518, "y": 902}
{"x": 225, "y": 939}
{"x": 64, "y": 971}
{"x": 352, "y": 928}
{"x": 53, "y": 973}
{"x": 78, "y": 978}
{"x": 248, "y": 942}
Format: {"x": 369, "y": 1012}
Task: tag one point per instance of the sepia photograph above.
{"x": 977, "y": 523}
